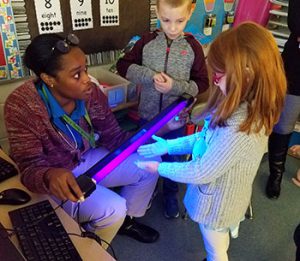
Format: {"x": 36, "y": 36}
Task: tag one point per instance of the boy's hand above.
{"x": 163, "y": 83}
{"x": 176, "y": 122}
{"x": 149, "y": 166}
{"x": 158, "y": 78}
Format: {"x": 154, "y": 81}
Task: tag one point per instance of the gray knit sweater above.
{"x": 183, "y": 60}
{"x": 220, "y": 182}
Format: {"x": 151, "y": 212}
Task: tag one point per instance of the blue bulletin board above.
{"x": 222, "y": 11}
{"x": 10, "y": 60}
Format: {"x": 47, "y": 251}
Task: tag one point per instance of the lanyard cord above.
{"x": 73, "y": 137}
{"x": 65, "y": 118}
{"x": 63, "y": 137}
{"x": 89, "y": 137}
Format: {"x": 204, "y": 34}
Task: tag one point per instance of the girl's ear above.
{"x": 48, "y": 79}
{"x": 249, "y": 74}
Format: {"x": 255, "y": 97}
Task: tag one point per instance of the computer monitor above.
{"x": 104, "y": 166}
{"x": 8, "y": 251}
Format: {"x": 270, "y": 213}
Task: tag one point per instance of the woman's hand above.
{"x": 149, "y": 166}
{"x": 155, "y": 149}
{"x": 176, "y": 122}
{"x": 60, "y": 182}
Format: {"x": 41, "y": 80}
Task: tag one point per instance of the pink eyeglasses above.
{"x": 217, "y": 76}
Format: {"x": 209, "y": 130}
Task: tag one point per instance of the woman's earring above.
{"x": 52, "y": 85}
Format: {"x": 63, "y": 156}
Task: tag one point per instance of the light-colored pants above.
{"x": 289, "y": 115}
{"x": 216, "y": 244}
{"x": 104, "y": 207}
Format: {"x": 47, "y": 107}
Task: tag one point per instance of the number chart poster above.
{"x": 10, "y": 60}
{"x": 81, "y": 11}
{"x": 49, "y": 17}
{"x": 109, "y": 13}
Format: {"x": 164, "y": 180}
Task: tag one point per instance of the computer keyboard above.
{"x": 41, "y": 234}
{"x": 7, "y": 170}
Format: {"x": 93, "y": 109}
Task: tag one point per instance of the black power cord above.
{"x": 93, "y": 235}
{"x": 87, "y": 186}
{"x": 83, "y": 234}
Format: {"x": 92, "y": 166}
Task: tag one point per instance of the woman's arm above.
{"x": 25, "y": 144}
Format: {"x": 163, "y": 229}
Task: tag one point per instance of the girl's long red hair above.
{"x": 250, "y": 58}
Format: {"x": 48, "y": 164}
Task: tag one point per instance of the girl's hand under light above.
{"x": 149, "y": 166}
{"x": 154, "y": 149}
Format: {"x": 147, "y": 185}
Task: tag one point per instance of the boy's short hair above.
{"x": 174, "y": 3}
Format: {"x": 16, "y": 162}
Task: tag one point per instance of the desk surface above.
{"x": 87, "y": 248}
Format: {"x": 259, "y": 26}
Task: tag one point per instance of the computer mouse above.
{"x": 14, "y": 196}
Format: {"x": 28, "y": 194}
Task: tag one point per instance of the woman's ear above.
{"x": 48, "y": 79}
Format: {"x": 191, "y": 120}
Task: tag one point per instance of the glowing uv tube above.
{"x": 103, "y": 167}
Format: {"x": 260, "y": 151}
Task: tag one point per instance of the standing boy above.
{"x": 166, "y": 63}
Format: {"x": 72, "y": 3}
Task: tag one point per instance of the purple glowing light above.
{"x": 141, "y": 140}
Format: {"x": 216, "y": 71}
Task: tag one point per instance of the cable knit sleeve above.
{"x": 227, "y": 148}
{"x": 183, "y": 145}
{"x": 24, "y": 134}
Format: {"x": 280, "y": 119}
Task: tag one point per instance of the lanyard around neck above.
{"x": 89, "y": 137}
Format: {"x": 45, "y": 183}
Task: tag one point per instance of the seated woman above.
{"x": 59, "y": 125}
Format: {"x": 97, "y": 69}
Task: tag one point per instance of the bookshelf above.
{"x": 278, "y": 22}
{"x": 153, "y": 16}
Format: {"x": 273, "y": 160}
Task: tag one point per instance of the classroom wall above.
{"x": 134, "y": 20}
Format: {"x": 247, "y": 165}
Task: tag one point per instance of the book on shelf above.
{"x": 20, "y": 18}
{"x": 19, "y": 11}
{"x": 280, "y": 2}
{"x": 280, "y": 41}
{"x": 24, "y": 43}
{"x": 280, "y": 31}
{"x": 15, "y": 4}
{"x": 278, "y": 12}
{"x": 22, "y": 27}
{"x": 23, "y": 36}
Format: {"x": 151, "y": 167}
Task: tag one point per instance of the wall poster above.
{"x": 109, "y": 12}
{"x": 81, "y": 12}
{"x": 10, "y": 60}
{"x": 48, "y": 14}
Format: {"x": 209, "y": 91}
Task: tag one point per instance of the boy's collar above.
{"x": 162, "y": 33}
